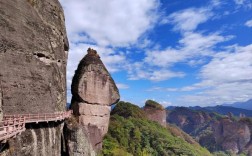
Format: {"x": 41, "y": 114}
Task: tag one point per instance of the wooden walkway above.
{"x": 12, "y": 125}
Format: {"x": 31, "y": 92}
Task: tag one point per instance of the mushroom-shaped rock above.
{"x": 94, "y": 91}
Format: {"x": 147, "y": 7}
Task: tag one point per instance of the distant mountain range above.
{"x": 224, "y": 110}
{"x": 235, "y": 108}
{"x": 244, "y": 105}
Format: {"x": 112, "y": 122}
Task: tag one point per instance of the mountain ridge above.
{"x": 223, "y": 110}
{"x": 244, "y": 105}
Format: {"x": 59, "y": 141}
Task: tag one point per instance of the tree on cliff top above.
{"x": 132, "y": 134}
{"x": 153, "y": 104}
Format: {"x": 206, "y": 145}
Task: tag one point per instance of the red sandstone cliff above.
{"x": 94, "y": 91}
{"x": 33, "y": 57}
{"x": 155, "y": 112}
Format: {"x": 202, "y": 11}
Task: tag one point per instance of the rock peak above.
{"x": 92, "y": 52}
{"x": 155, "y": 112}
{"x": 94, "y": 91}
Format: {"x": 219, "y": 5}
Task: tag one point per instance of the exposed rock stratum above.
{"x": 155, "y": 112}
{"x": 94, "y": 91}
{"x": 33, "y": 57}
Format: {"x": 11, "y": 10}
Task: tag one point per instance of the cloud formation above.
{"x": 249, "y": 23}
{"x": 227, "y": 78}
{"x": 244, "y": 3}
{"x": 188, "y": 19}
{"x": 105, "y": 26}
{"x": 122, "y": 86}
{"x": 121, "y": 29}
{"x": 113, "y": 23}
{"x": 191, "y": 48}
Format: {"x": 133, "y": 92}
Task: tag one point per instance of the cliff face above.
{"x": 215, "y": 132}
{"x": 233, "y": 135}
{"x": 94, "y": 91}
{"x": 187, "y": 119}
{"x": 33, "y": 56}
{"x": 155, "y": 112}
{"x": 1, "y": 102}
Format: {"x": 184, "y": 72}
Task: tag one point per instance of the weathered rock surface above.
{"x": 94, "y": 91}
{"x": 77, "y": 140}
{"x": 1, "y": 102}
{"x": 232, "y": 135}
{"x": 33, "y": 56}
{"x": 188, "y": 120}
{"x": 155, "y": 112}
{"x": 217, "y": 133}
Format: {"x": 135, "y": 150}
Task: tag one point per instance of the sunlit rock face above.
{"x": 155, "y": 112}
{"x": 94, "y": 91}
{"x": 217, "y": 133}
{"x": 232, "y": 135}
{"x": 33, "y": 58}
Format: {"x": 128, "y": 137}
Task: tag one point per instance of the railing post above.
{"x": 15, "y": 124}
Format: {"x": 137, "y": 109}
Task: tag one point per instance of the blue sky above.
{"x": 179, "y": 52}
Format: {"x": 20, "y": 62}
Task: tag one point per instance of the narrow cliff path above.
{"x": 12, "y": 125}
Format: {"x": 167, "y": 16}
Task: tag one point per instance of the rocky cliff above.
{"x": 213, "y": 131}
{"x": 33, "y": 57}
{"x": 155, "y": 112}
{"x": 234, "y": 136}
{"x": 1, "y": 102}
{"x": 131, "y": 133}
{"x": 187, "y": 119}
{"x": 94, "y": 91}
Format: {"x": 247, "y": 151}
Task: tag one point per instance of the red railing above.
{"x": 11, "y": 125}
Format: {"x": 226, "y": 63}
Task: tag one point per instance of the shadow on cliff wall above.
{"x": 50, "y": 124}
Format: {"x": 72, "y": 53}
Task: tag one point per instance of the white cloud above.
{"x": 227, "y": 78}
{"x": 104, "y": 24}
{"x": 188, "y": 19}
{"x": 249, "y": 23}
{"x": 122, "y": 86}
{"x": 220, "y": 94}
{"x": 162, "y": 89}
{"x": 216, "y": 3}
{"x": 192, "y": 46}
{"x": 230, "y": 67}
{"x": 114, "y": 22}
{"x": 141, "y": 70}
{"x": 165, "y": 103}
{"x": 244, "y": 3}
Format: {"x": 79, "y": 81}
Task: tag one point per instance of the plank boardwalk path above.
{"x": 12, "y": 125}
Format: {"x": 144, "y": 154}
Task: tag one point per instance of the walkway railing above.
{"x": 12, "y": 125}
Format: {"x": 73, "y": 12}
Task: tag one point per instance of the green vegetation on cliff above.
{"x": 153, "y": 104}
{"x": 132, "y": 134}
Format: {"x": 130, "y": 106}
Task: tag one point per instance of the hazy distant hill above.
{"x": 224, "y": 110}
{"x": 216, "y": 132}
{"x": 244, "y": 105}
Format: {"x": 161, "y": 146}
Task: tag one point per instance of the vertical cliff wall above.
{"x": 1, "y": 101}
{"x": 155, "y": 112}
{"x": 94, "y": 91}
{"x": 33, "y": 56}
